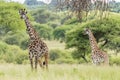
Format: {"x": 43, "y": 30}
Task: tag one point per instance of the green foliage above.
{"x": 44, "y": 16}
{"x": 44, "y": 30}
{"x": 106, "y": 32}
{"x": 9, "y": 17}
{"x": 19, "y": 39}
{"x": 59, "y": 56}
{"x": 21, "y": 58}
{"x": 24, "y": 44}
{"x": 115, "y": 60}
{"x": 54, "y": 24}
{"x": 54, "y": 54}
{"x": 115, "y": 7}
{"x": 12, "y": 53}
{"x": 59, "y": 32}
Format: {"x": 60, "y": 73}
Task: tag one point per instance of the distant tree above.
{"x": 115, "y": 7}
{"x": 80, "y": 7}
{"x": 43, "y": 16}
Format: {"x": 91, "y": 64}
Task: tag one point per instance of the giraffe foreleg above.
{"x": 31, "y": 60}
{"x": 36, "y": 61}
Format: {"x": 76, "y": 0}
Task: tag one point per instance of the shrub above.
{"x": 59, "y": 56}
{"x": 54, "y": 54}
{"x": 12, "y": 53}
{"x": 115, "y": 60}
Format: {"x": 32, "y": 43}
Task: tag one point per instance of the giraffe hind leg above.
{"x": 40, "y": 63}
{"x": 46, "y": 61}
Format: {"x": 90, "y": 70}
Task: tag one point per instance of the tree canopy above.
{"x": 106, "y": 32}
{"x": 9, "y": 17}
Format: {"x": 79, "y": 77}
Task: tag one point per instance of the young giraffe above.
{"x": 37, "y": 48}
{"x": 98, "y": 56}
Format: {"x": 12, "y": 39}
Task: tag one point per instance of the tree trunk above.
{"x": 84, "y": 58}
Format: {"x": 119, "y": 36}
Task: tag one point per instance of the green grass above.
{"x": 55, "y": 45}
{"x": 59, "y": 72}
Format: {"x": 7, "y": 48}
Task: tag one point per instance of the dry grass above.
{"x": 59, "y": 72}
{"x": 55, "y": 45}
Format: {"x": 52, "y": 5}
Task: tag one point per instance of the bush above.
{"x": 19, "y": 39}
{"x": 12, "y": 53}
{"x": 12, "y": 40}
{"x": 43, "y": 30}
{"x": 21, "y": 57}
{"x": 115, "y": 60}
{"x": 54, "y": 54}
{"x": 24, "y": 44}
{"x": 59, "y": 56}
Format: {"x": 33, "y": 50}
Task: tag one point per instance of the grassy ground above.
{"x": 55, "y": 45}
{"x": 59, "y": 72}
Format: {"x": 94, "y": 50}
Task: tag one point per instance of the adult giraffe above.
{"x": 37, "y": 48}
{"x": 98, "y": 56}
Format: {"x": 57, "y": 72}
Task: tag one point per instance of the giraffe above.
{"x": 98, "y": 56}
{"x": 37, "y": 48}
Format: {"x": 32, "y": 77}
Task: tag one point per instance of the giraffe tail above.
{"x": 44, "y": 63}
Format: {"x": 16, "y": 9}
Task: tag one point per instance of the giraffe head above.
{"x": 23, "y": 13}
{"x": 86, "y": 31}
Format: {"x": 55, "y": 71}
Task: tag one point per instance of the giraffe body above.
{"x": 37, "y": 48}
{"x": 98, "y": 56}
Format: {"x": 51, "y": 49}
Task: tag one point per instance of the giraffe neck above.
{"x": 93, "y": 42}
{"x": 31, "y": 31}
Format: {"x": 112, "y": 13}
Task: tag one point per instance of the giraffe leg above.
{"x": 40, "y": 63}
{"x": 36, "y": 61}
{"x": 31, "y": 62}
{"x": 46, "y": 60}
{"x": 106, "y": 59}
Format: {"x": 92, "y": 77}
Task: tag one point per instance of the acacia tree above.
{"x": 83, "y": 6}
{"x": 106, "y": 32}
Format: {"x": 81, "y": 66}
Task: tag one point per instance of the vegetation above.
{"x": 59, "y": 72}
{"x": 51, "y": 26}
{"x": 72, "y": 56}
{"x": 106, "y": 32}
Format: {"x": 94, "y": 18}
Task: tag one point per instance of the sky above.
{"x": 45, "y": 1}
{"x": 22, "y": 1}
